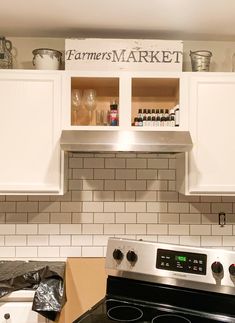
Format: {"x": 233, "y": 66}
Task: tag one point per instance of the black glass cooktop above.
{"x": 113, "y": 310}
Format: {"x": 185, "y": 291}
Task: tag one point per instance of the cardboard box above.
{"x": 123, "y": 54}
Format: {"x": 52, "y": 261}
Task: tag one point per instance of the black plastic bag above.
{"x": 45, "y": 277}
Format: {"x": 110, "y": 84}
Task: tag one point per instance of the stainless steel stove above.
{"x": 159, "y": 283}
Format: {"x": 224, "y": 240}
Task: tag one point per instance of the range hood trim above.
{"x": 125, "y": 141}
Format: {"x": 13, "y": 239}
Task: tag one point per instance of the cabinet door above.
{"x": 19, "y": 312}
{"x": 30, "y": 112}
{"x": 212, "y": 116}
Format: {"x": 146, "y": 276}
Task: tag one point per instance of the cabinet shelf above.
{"x": 107, "y": 91}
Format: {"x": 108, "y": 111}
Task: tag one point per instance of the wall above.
{"x": 125, "y": 195}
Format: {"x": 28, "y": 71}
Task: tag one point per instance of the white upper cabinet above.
{"x": 131, "y": 91}
{"x": 209, "y": 167}
{"x": 30, "y": 126}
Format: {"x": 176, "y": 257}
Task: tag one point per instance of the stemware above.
{"x": 76, "y": 101}
{"x": 89, "y": 97}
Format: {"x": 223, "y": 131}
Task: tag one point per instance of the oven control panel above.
{"x": 181, "y": 261}
{"x": 194, "y": 267}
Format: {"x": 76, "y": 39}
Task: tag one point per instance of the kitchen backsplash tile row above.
{"x": 125, "y": 194}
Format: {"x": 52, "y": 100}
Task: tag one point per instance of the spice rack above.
{"x": 155, "y": 102}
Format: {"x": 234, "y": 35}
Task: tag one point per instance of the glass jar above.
{"x": 5, "y": 53}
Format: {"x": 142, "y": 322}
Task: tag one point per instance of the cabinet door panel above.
{"x": 19, "y": 312}
{"x": 212, "y": 118}
{"x": 29, "y": 133}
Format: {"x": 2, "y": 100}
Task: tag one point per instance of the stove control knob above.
{"x": 232, "y": 270}
{"x": 217, "y": 267}
{"x": 117, "y": 254}
{"x": 131, "y": 256}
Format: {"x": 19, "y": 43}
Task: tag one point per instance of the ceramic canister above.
{"x": 47, "y": 59}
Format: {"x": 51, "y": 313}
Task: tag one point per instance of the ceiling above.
{"x": 166, "y": 19}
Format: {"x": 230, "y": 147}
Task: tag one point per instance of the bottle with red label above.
{"x": 113, "y": 117}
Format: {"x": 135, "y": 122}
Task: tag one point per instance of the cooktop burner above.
{"x": 112, "y": 310}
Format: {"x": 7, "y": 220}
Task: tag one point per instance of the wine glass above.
{"x": 76, "y": 101}
{"x": 89, "y": 98}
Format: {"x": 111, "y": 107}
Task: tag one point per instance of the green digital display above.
{"x": 181, "y": 258}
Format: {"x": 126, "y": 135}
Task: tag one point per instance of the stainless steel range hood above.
{"x": 131, "y": 141}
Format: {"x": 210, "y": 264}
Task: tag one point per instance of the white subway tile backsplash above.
{"x": 114, "y": 206}
{"x": 104, "y": 173}
{"x": 156, "y": 207}
{"x": 211, "y": 241}
{"x": 201, "y": 230}
{"x": 60, "y": 240}
{"x": 190, "y": 240}
{"x": 146, "y": 196}
{"x": 92, "y": 252}
{"x": 27, "y": 252}
{"x": 116, "y": 185}
{"x": 157, "y": 185}
{"x": 93, "y": 207}
{"x": 48, "y": 207}
{"x": 158, "y": 163}
{"x": 157, "y": 229}
{"x": 169, "y": 218}
{"x": 48, "y": 228}
{"x": 114, "y": 229}
{"x": 82, "y": 240}
{"x": 27, "y": 207}
{"x": 38, "y": 240}
{"x": 104, "y": 217}
{"x": 125, "y": 174}
{"x": 125, "y": 195}
{"x": 115, "y": 162}
{"x": 26, "y": 229}
{"x": 136, "y": 163}
{"x": 125, "y": 217}
{"x": 147, "y": 217}
{"x": 179, "y": 207}
{"x": 48, "y": 252}
{"x": 15, "y": 240}
{"x": 222, "y": 207}
{"x": 81, "y": 196}
{"x": 179, "y": 229}
{"x": 7, "y": 229}
{"x": 166, "y": 174}
{"x": 218, "y": 230}
{"x": 7, "y": 252}
{"x": 103, "y": 196}
{"x": 38, "y": 217}
{"x": 82, "y": 217}
{"x": 135, "y": 206}
{"x": 16, "y": 218}
{"x": 92, "y": 229}
{"x": 8, "y": 207}
{"x": 70, "y": 228}
{"x": 190, "y": 218}
{"x": 94, "y": 162}
{"x": 146, "y": 174}
{"x": 136, "y": 228}
{"x": 138, "y": 185}
{"x": 63, "y": 217}
{"x": 70, "y": 252}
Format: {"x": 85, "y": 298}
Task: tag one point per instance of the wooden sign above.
{"x": 123, "y": 54}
